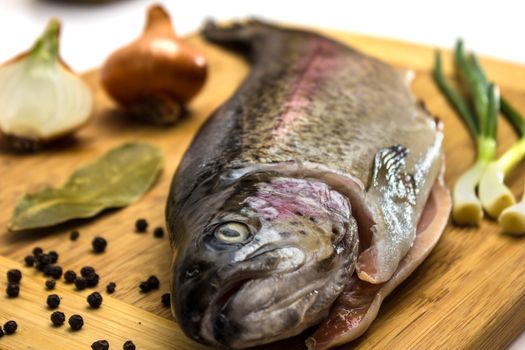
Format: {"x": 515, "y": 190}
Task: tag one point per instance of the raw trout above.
{"x": 302, "y": 194}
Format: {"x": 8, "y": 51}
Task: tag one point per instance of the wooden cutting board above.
{"x": 470, "y": 292}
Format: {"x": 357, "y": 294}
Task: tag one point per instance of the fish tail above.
{"x": 249, "y": 38}
{"x": 235, "y": 33}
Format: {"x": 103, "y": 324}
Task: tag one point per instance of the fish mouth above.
{"x": 268, "y": 297}
{"x": 225, "y": 326}
{"x": 230, "y": 292}
{"x": 255, "y": 270}
{"x": 214, "y": 321}
{"x": 223, "y": 323}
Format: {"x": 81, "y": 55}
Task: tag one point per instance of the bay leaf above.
{"x": 118, "y": 178}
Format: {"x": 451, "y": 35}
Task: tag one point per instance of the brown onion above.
{"x": 157, "y": 68}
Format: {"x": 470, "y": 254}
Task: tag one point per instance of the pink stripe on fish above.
{"x": 319, "y": 68}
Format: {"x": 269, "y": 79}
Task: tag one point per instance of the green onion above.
{"x": 513, "y": 116}
{"x": 454, "y": 98}
{"x": 512, "y": 219}
{"x": 494, "y": 195}
{"x": 487, "y": 173}
{"x": 467, "y": 209}
{"x": 476, "y": 86}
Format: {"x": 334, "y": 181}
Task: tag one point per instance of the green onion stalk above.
{"x": 512, "y": 218}
{"x": 482, "y": 126}
{"x": 494, "y": 195}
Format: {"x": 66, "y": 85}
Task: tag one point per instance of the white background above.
{"x": 90, "y": 33}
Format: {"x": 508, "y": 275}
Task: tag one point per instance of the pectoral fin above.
{"x": 391, "y": 197}
{"x": 389, "y": 177}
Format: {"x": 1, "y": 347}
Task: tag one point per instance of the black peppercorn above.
{"x": 80, "y": 283}
{"x": 166, "y": 299}
{"x": 58, "y": 318}
{"x": 29, "y": 260}
{"x": 110, "y": 288}
{"x": 55, "y": 271}
{"x": 1, "y": 332}
{"x": 46, "y": 269}
{"x": 70, "y": 276}
{"x": 43, "y": 264}
{"x": 76, "y": 322}
{"x": 92, "y": 280}
{"x": 10, "y": 327}
{"x": 50, "y": 284}
{"x": 53, "y": 301}
{"x": 74, "y": 235}
{"x": 14, "y": 276}
{"x": 99, "y": 244}
{"x": 94, "y": 300}
{"x": 100, "y": 345}
{"x": 12, "y": 290}
{"x": 37, "y": 251}
{"x": 144, "y": 287}
{"x": 153, "y": 282}
{"x": 141, "y": 225}
{"x": 86, "y": 271}
{"x": 158, "y": 232}
{"x": 44, "y": 259}
{"x": 129, "y": 345}
{"x": 53, "y": 256}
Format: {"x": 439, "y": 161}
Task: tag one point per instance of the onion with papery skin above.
{"x": 41, "y": 99}
{"x": 155, "y": 75}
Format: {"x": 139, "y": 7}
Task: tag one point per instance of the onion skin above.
{"x": 157, "y": 64}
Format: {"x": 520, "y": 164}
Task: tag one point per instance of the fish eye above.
{"x": 232, "y": 232}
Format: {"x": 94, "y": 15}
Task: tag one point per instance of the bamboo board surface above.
{"x": 470, "y": 292}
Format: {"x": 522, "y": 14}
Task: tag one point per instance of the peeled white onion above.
{"x": 40, "y": 98}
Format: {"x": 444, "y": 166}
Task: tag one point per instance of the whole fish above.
{"x": 301, "y": 199}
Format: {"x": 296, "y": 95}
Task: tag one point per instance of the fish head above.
{"x": 268, "y": 264}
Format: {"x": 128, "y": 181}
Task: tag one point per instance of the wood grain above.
{"x": 470, "y": 293}
{"x": 114, "y": 321}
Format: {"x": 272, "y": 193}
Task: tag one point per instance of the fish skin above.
{"x": 311, "y": 108}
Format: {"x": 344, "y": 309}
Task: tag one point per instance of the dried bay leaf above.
{"x": 115, "y": 180}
